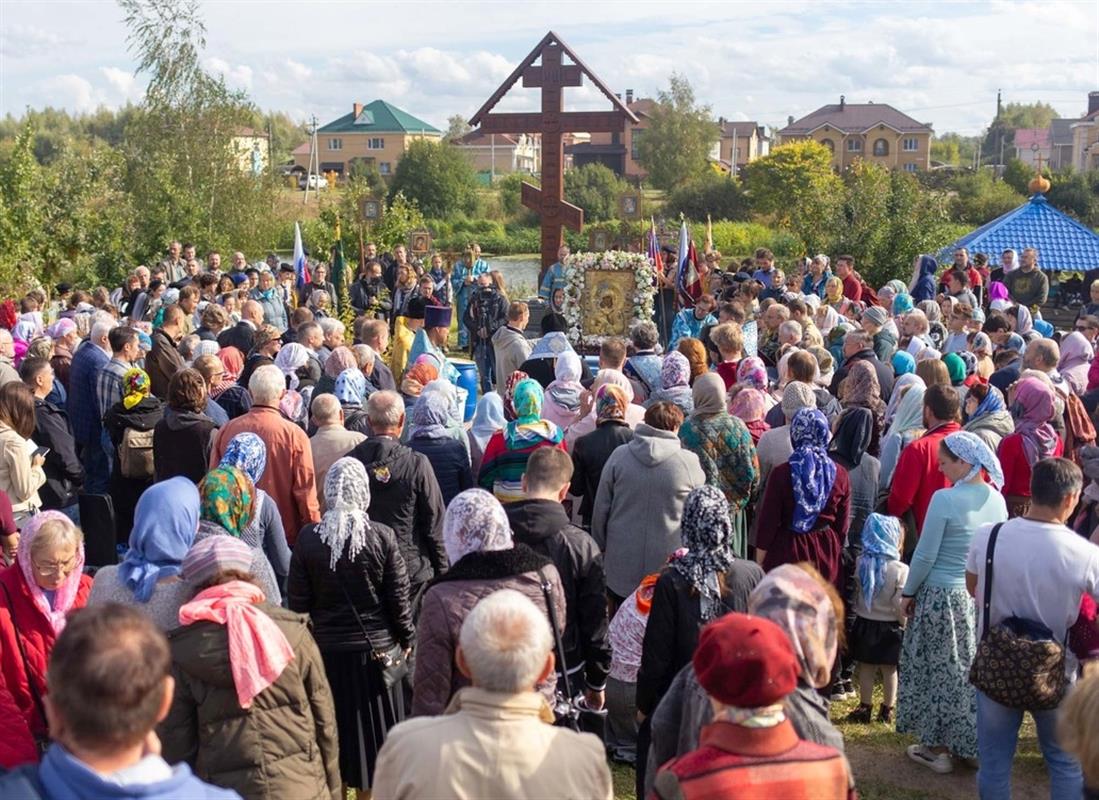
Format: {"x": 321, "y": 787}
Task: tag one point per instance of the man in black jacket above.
{"x": 404, "y": 493}
{"x": 375, "y": 333}
{"x": 369, "y": 294}
{"x": 486, "y": 313}
{"x": 540, "y": 522}
{"x": 859, "y": 346}
{"x": 242, "y": 335}
{"x": 64, "y": 472}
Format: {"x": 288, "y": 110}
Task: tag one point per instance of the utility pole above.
{"x": 314, "y": 159}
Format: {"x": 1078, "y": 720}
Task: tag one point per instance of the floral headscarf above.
{"x": 475, "y": 522}
{"x": 423, "y": 372}
{"x": 552, "y": 345}
{"x": 350, "y": 387}
{"x": 165, "y": 522}
{"x": 1032, "y": 410}
{"x": 528, "y": 425}
{"x": 706, "y": 531}
{"x": 972, "y": 449}
{"x": 65, "y": 595}
{"x": 992, "y": 403}
{"x": 338, "y": 360}
{"x": 430, "y": 416}
{"x": 752, "y": 372}
{"x": 796, "y": 602}
{"x": 346, "y": 523}
{"x": 812, "y": 471}
{"x": 861, "y": 388}
{"x": 748, "y": 405}
{"x": 509, "y": 393}
{"x": 881, "y": 540}
{"x": 247, "y": 452}
{"x": 227, "y": 499}
{"x": 527, "y": 399}
{"x": 675, "y": 371}
{"x": 135, "y": 387}
{"x": 610, "y": 403}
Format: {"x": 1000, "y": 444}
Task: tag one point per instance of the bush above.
{"x": 437, "y": 177}
{"x": 594, "y": 188}
{"x": 720, "y": 197}
{"x": 980, "y": 198}
{"x": 738, "y": 240}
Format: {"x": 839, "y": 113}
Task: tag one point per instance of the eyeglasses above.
{"x": 55, "y": 567}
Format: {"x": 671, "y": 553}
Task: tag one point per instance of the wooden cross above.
{"x": 552, "y": 75}
{"x": 1039, "y": 159}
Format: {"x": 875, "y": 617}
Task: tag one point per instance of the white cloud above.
{"x": 123, "y": 84}
{"x": 72, "y": 92}
{"x": 236, "y": 75}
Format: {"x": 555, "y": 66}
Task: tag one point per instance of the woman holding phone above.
{"x": 21, "y": 472}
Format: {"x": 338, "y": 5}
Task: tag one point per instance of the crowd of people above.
{"x": 252, "y": 552}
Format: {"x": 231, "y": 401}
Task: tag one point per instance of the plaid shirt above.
{"x": 108, "y": 385}
{"x": 83, "y": 406}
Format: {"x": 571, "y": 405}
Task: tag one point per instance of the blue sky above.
{"x": 941, "y": 62}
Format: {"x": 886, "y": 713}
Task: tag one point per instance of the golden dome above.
{"x": 1039, "y": 184}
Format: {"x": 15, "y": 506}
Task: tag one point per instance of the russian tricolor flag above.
{"x": 301, "y": 267}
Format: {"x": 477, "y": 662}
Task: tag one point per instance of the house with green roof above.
{"x": 377, "y": 133}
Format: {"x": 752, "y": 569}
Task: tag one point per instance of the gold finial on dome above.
{"x": 1039, "y": 184}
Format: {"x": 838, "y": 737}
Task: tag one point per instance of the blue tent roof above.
{"x": 1063, "y": 243}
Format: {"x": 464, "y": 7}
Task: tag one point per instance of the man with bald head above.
{"x": 243, "y": 334}
{"x": 332, "y": 441}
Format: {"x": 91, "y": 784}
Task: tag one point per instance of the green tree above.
{"x": 1017, "y": 175}
{"x": 456, "y": 127}
{"x": 1000, "y": 140}
{"x": 980, "y": 198}
{"x": 594, "y": 188}
{"x": 21, "y": 213}
{"x": 437, "y": 177}
{"x": 676, "y": 146}
{"x": 719, "y": 196}
{"x": 797, "y": 188}
{"x": 955, "y": 149}
{"x": 510, "y": 188}
{"x": 1076, "y": 193}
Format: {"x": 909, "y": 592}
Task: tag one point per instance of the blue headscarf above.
{"x": 812, "y": 471}
{"x": 165, "y": 522}
{"x": 430, "y": 416}
{"x": 971, "y": 448}
{"x": 902, "y": 304}
{"x": 993, "y": 402}
{"x": 881, "y": 539}
{"x": 903, "y": 363}
{"x": 248, "y": 453}
{"x": 350, "y": 387}
{"x": 487, "y": 419}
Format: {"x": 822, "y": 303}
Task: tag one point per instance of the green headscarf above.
{"x": 955, "y": 368}
{"x": 227, "y": 495}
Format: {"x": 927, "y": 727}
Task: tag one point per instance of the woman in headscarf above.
{"x": 338, "y": 360}
{"x": 923, "y": 278}
{"x": 749, "y": 405}
{"x": 1033, "y": 440}
{"x": 419, "y": 375}
{"x": 226, "y": 506}
{"x": 860, "y": 389}
{"x": 488, "y": 418}
{"x": 252, "y": 710}
{"x": 982, "y": 349}
{"x": 350, "y": 389}
{"x": 695, "y": 352}
{"x": 902, "y": 304}
{"x": 247, "y": 452}
{"x": 816, "y": 276}
{"x": 1076, "y": 356}
{"x": 635, "y": 414}
{"x": 130, "y": 423}
{"x": 936, "y": 702}
{"x": 506, "y": 453}
{"x": 233, "y": 398}
{"x": 726, "y": 452}
{"x": 563, "y": 396}
{"x": 833, "y": 296}
{"x": 591, "y": 451}
{"x": 955, "y": 369}
{"x": 348, "y": 574}
{"x": 998, "y": 296}
{"x": 695, "y": 588}
{"x": 675, "y": 383}
{"x": 986, "y": 415}
{"x": 806, "y": 504}
{"x": 483, "y": 559}
{"x": 165, "y": 522}
{"x": 905, "y": 427}
{"x": 430, "y": 436}
{"x": 44, "y": 584}
{"x": 903, "y": 364}
{"x": 233, "y": 361}
{"x": 849, "y": 449}
{"x": 826, "y": 318}
{"x": 542, "y": 361}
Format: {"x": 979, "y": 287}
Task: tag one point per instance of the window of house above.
{"x": 635, "y": 137}
{"x": 335, "y": 144}
{"x": 854, "y": 145}
{"x": 911, "y": 144}
{"x": 909, "y": 167}
{"x": 881, "y": 147}
{"x": 829, "y": 144}
{"x": 383, "y": 167}
{"x": 375, "y": 144}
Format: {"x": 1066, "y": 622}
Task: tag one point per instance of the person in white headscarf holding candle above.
{"x": 347, "y": 573}
{"x": 483, "y": 559}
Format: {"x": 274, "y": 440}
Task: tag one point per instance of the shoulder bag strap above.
{"x": 990, "y": 549}
{"x": 354, "y": 610}
{"x": 35, "y": 697}
{"x": 563, "y": 669}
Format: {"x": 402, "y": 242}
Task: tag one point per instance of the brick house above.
{"x": 874, "y": 132}
{"x": 617, "y": 150}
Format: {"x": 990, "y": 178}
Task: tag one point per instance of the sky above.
{"x": 941, "y": 62}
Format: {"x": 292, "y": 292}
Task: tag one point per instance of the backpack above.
{"x": 135, "y": 454}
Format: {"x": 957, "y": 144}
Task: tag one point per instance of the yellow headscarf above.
{"x": 135, "y": 387}
{"x": 833, "y": 290}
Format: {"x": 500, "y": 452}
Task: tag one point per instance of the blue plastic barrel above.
{"x": 470, "y": 380}
{"x": 592, "y": 362}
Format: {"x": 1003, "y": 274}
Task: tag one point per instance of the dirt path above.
{"x": 885, "y": 768}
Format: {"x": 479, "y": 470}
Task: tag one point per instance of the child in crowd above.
{"x": 626, "y": 633}
{"x": 876, "y": 634}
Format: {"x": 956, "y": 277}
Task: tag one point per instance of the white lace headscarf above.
{"x": 475, "y": 522}
{"x": 347, "y": 498}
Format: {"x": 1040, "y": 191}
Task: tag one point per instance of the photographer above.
{"x": 486, "y": 313}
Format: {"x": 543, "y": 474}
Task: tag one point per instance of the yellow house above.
{"x": 742, "y": 143}
{"x": 377, "y": 133}
{"x": 874, "y": 132}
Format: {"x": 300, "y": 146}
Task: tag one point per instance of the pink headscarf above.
{"x": 65, "y": 596}
{"x": 1033, "y": 409}
{"x": 258, "y": 649}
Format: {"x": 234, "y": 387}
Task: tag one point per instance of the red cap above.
{"x": 745, "y": 661}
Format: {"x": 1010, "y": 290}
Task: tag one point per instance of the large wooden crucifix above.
{"x": 552, "y": 75}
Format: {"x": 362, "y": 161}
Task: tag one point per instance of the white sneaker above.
{"x": 939, "y": 763}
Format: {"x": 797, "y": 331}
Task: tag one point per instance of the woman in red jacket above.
{"x": 1033, "y": 440}
{"x": 36, "y": 592}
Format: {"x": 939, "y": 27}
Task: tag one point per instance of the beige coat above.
{"x": 490, "y": 745}
{"x": 512, "y": 349}
{"x": 17, "y": 477}
{"x": 329, "y": 444}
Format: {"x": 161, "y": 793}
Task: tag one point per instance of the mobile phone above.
{"x": 41, "y": 451}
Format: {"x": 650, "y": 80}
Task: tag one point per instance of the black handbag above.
{"x": 392, "y": 662}
{"x": 1018, "y": 663}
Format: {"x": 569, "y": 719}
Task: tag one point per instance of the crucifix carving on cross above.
{"x": 552, "y": 75}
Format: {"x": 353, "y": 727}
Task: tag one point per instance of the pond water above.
{"x": 519, "y": 271}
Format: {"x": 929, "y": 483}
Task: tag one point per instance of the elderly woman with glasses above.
{"x": 44, "y": 584}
